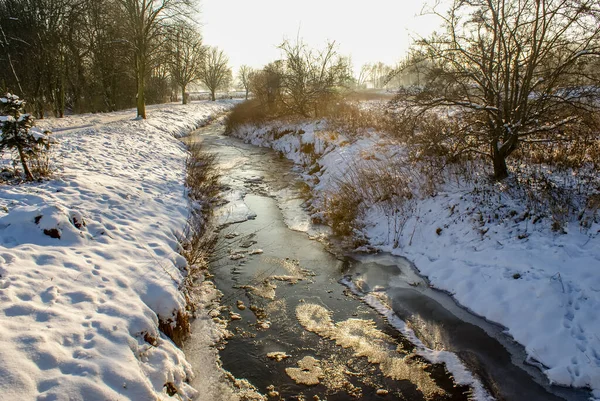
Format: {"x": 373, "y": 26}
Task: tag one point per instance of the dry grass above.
{"x": 347, "y": 116}
{"x": 177, "y": 329}
{"x": 202, "y": 181}
{"x": 383, "y": 184}
{"x": 248, "y": 112}
{"x": 354, "y": 119}
{"x": 343, "y": 208}
{"x": 203, "y": 174}
{"x": 197, "y": 240}
{"x": 41, "y": 165}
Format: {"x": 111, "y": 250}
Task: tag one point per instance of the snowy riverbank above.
{"x": 89, "y": 262}
{"x": 544, "y": 287}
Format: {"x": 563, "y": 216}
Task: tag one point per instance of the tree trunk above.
{"x": 26, "y": 170}
{"x": 61, "y": 100}
{"x": 141, "y": 100}
{"x": 212, "y": 95}
{"x": 183, "y": 97}
{"x": 246, "y": 94}
{"x": 499, "y": 160}
{"x": 39, "y": 110}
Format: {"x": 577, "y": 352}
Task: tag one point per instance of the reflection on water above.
{"x": 365, "y": 340}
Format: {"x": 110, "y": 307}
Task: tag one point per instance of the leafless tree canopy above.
{"x": 215, "y": 73}
{"x": 185, "y": 55}
{"x": 303, "y": 83}
{"x": 375, "y": 75}
{"x": 517, "y": 70}
{"x": 265, "y": 84}
{"x": 35, "y": 34}
{"x": 89, "y": 55}
{"x": 145, "y": 23}
{"x": 309, "y": 78}
{"x": 244, "y": 75}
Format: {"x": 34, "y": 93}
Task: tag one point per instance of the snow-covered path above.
{"x": 89, "y": 262}
{"x": 77, "y": 122}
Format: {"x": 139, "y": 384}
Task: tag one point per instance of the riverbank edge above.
{"x": 197, "y": 246}
{"x": 196, "y": 230}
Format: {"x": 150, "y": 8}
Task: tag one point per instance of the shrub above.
{"x": 249, "y": 112}
{"x": 311, "y": 80}
{"x": 18, "y": 135}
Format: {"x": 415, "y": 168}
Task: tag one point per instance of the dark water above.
{"x": 273, "y": 326}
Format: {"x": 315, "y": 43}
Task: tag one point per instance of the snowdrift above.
{"x": 89, "y": 262}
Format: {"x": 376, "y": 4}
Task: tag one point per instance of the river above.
{"x": 309, "y": 323}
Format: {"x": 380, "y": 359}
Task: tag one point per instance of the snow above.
{"x": 77, "y": 122}
{"x": 543, "y": 287}
{"x": 37, "y": 134}
{"x": 14, "y": 98}
{"x": 89, "y": 262}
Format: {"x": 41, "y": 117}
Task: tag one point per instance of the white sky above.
{"x": 368, "y": 30}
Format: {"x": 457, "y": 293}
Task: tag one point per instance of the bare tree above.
{"x": 80, "y": 54}
{"x": 185, "y": 55}
{"x": 515, "y": 69}
{"x": 244, "y": 76}
{"x": 311, "y": 78}
{"x": 109, "y": 84}
{"x": 215, "y": 73}
{"x": 34, "y": 34}
{"x": 265, "y": 84}
{"x": 145, "y": 21}
{"x": 363, "y": 74}
{"x": 378, "y": 75}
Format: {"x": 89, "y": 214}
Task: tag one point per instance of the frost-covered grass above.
{"x": 479, "y": 241}
{"x": 89, "y": 262}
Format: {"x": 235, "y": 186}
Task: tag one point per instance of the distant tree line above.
{"x": 100, "y": 55}
{"x": 373, "y": 76}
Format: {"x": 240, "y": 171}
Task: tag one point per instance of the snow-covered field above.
{"x": 544, "y": 287}
{"x": 89, "y": 262}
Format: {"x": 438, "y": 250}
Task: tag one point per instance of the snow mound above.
{"x": 49, "y": 224}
